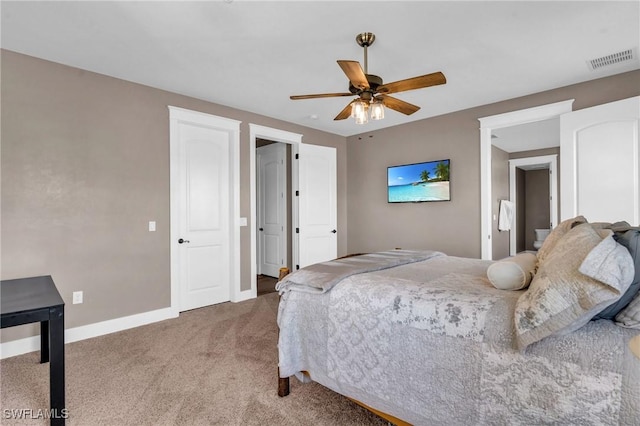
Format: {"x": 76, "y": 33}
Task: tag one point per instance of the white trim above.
{"x": 256, "y": 131}
{"x": 31, "y": 344}
{"x": 552, "y": 161}
{"x": 181, "y": 115}
{"x": 487, "y": 124}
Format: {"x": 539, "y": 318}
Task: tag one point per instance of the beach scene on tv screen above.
{"x": 413, "y": 183}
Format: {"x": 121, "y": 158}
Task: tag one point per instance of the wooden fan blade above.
{"x": 346, "y": 112}
{"x": 320, "y": 95}
{"x": 398, "y": 105}
{"x": 354, "y": 72}
{"x": 413, "y": 83}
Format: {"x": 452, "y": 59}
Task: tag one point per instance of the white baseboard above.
{"x": 244, "y": 295}
{"x": 31, "y": 344}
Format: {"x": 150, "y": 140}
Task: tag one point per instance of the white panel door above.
{"x": 271, "y": 176}
{"x": 317, "y": 204}
{"x": 205, "y": 222}
{"x": 600, "y": 158}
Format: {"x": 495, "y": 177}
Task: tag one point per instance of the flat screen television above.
{"x": 419, "y": 182}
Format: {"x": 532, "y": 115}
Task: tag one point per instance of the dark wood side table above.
{"x": 36, "y": 299}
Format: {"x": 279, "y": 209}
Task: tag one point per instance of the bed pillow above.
{"x": 630, "y": 316}
{"x": 631, "y": 241}
{"x": 556, "y": 235}
{"x": 560, "y": 298}
{"x": 513, "y": 273}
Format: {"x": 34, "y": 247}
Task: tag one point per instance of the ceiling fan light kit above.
{"x": 372, "y": 94}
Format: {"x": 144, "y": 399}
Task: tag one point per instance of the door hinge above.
{"x": 297, "y": 230}
{"x": 297, "y": 156}
{"x": 297, "y": 193}
{"x": 297, "y": 266}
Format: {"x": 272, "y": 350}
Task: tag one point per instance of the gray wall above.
{"x": 499, "y": 191}
{"x": 520, "y": 211}
{"x": 84, "y": 168}
{"x": 454, "y": 226}
{"x": 536, "y": 204}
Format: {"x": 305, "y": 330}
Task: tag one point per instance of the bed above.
{"x": 427, "y": 338}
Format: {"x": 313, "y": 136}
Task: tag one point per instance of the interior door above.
{"x": 205, "y": 223}
{"x": 600, "y": 157}
{"x": 317, "y": 204}
{"x": 271, "y": 193}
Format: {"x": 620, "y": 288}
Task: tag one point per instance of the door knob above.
{"x": 334, "y": 231}
{"x": 180, "y": 241}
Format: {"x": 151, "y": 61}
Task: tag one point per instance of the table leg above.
{"x": 56, "y": 366}
{"x": 44, "y": 342}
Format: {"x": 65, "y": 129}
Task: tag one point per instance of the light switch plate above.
{"x": 243, "y": 221}
{"x": 152, "y": 226}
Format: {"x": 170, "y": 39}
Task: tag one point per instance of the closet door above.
{"x": 600, "y": 158}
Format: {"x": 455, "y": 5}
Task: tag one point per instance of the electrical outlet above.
{"x": 77, "y": 297}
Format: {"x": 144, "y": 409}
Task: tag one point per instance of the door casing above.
{"x": 487, "y": 124}
{"x": 552, "y": 162}
{"x": 294, "y": 139}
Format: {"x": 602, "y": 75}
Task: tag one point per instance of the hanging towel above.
{"x": 505, "y": 218}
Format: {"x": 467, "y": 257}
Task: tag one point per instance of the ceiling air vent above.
{"x": 615, "y": 58}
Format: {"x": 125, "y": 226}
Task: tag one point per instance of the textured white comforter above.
{"x": 431, "y": 342}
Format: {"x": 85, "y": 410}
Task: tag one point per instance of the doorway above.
{"x": 273, "y": 186}
{"x": 313, "y": 200}
{"x": 487, "y": 126}
{"x": 262, "y": 136}
{"x": 533, "y": 189}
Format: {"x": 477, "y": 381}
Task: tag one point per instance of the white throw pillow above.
{"x": 513, "y": 273}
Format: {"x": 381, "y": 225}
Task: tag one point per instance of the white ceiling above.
{"x": 525, "y": 137}
{"x": 252, "y": 55}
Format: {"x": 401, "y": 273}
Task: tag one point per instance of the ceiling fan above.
{"x": 371, "y": 91}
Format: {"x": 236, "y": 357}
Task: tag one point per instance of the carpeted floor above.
{"x": 211, "y": 366}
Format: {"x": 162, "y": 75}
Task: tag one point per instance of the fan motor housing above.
{"x": 374, "y": 82}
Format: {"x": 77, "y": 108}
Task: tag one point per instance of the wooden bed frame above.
{"x": 284, "y": 386}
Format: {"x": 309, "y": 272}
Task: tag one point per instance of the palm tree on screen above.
{"x": 442, "y": 171}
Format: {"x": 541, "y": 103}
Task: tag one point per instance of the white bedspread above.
{"x": 431, "y": 342}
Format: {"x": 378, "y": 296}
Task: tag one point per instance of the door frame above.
{"x": 552, "y": 162}
{"x": 180, "y": 115}
{"x": 487, "y": 124}
{"x": 282, "y": 178}
{"x": 294, "y": 139}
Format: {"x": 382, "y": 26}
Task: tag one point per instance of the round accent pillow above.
{"x": 513, "y": 273}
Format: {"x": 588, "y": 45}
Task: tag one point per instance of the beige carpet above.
{"x": 210, "y": 366}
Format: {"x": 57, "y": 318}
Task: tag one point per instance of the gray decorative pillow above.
{"x": 630, "y": 239}
{"x": 556, "y": 235}
{"x": 630, "y": 316}
{"x": 513, "y": 273}
{"x": 560, "y": 298}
